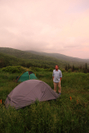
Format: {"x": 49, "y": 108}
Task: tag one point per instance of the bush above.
{"x": 63, "y": 70}
{"x": 69, "y": 70}
{"x": 13, "y": 69}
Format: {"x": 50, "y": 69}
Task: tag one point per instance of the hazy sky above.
{"x": 58, "y": 26}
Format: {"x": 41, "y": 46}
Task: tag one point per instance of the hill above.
{"x": 41, "y": 59}
{"x": 7, "y": 60}
{"x": 62, "y": 57}
{"x": 28, "y": 59}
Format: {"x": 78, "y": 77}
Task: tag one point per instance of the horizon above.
{"x": 46, "y": 26}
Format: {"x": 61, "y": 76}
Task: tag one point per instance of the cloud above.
{"x": 50, "y": 26}
{"x": 78, "y": 6}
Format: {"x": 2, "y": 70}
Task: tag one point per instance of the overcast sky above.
{"x": 54, "y": 26}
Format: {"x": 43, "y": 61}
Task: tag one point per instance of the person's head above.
{"x": 56, "y": 67}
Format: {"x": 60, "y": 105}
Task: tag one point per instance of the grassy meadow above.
{"x": 67, "y": 114}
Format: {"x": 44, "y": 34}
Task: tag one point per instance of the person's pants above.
{"x": 59, "y": 86}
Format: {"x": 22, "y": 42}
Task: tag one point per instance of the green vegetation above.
{"x": 14, "y": 69}
{"x": 69, "y": 113}
{"x": 73, "y": 68}
{"x": 7, "y": 60}
{"x": 15, "y": 57}
{"x": 67, "y": 59}
{"x": 9, "y": 56}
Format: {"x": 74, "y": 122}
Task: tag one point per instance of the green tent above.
{"x": 26, "y": 76}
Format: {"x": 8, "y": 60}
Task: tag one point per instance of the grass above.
{"x": 63, "y": 115}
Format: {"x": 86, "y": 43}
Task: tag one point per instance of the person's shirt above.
{"x": 57, "y": 75}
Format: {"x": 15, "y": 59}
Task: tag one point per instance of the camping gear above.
{"x": 25, "y": 76}
{"x": 28, "y": 92}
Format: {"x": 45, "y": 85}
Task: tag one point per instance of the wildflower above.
{"x": 70, "y": 98}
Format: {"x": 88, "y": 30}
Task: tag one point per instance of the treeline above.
{"x": 32, "y": 58}
{"x": 39, "y": 63}
{"x": 15, "y": 62}
{"x": 84, "y": 68}
{"x": 7, "y": 60}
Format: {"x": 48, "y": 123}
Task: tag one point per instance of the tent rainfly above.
{"x": 26, "y": 76}
{"x": 28, "y": 92}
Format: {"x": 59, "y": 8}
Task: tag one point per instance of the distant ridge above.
{"x": 60, "y": 56}
{"x": 27, "y": 59}
{"x": 49, "y": 59}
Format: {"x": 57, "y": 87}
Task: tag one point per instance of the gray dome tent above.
{"x": 28, "y": 92}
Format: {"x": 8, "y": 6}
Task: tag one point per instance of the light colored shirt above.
{"x": 57, "y": 75}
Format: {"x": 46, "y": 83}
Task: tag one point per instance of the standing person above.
{"x": 57, "y": 76}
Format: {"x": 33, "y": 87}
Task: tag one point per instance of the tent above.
{"x": 25, "y": 76}
{"x": 28, "y": 92}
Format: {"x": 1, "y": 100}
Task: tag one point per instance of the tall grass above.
{"x": 63, "y": 115}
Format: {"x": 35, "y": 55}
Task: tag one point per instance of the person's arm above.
{"x": 60, "y": 78}
{"x": 53, "y": 75}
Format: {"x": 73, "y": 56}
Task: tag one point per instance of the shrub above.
{"x": 13, "y": 69}
{"x": 69, "y": 70}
